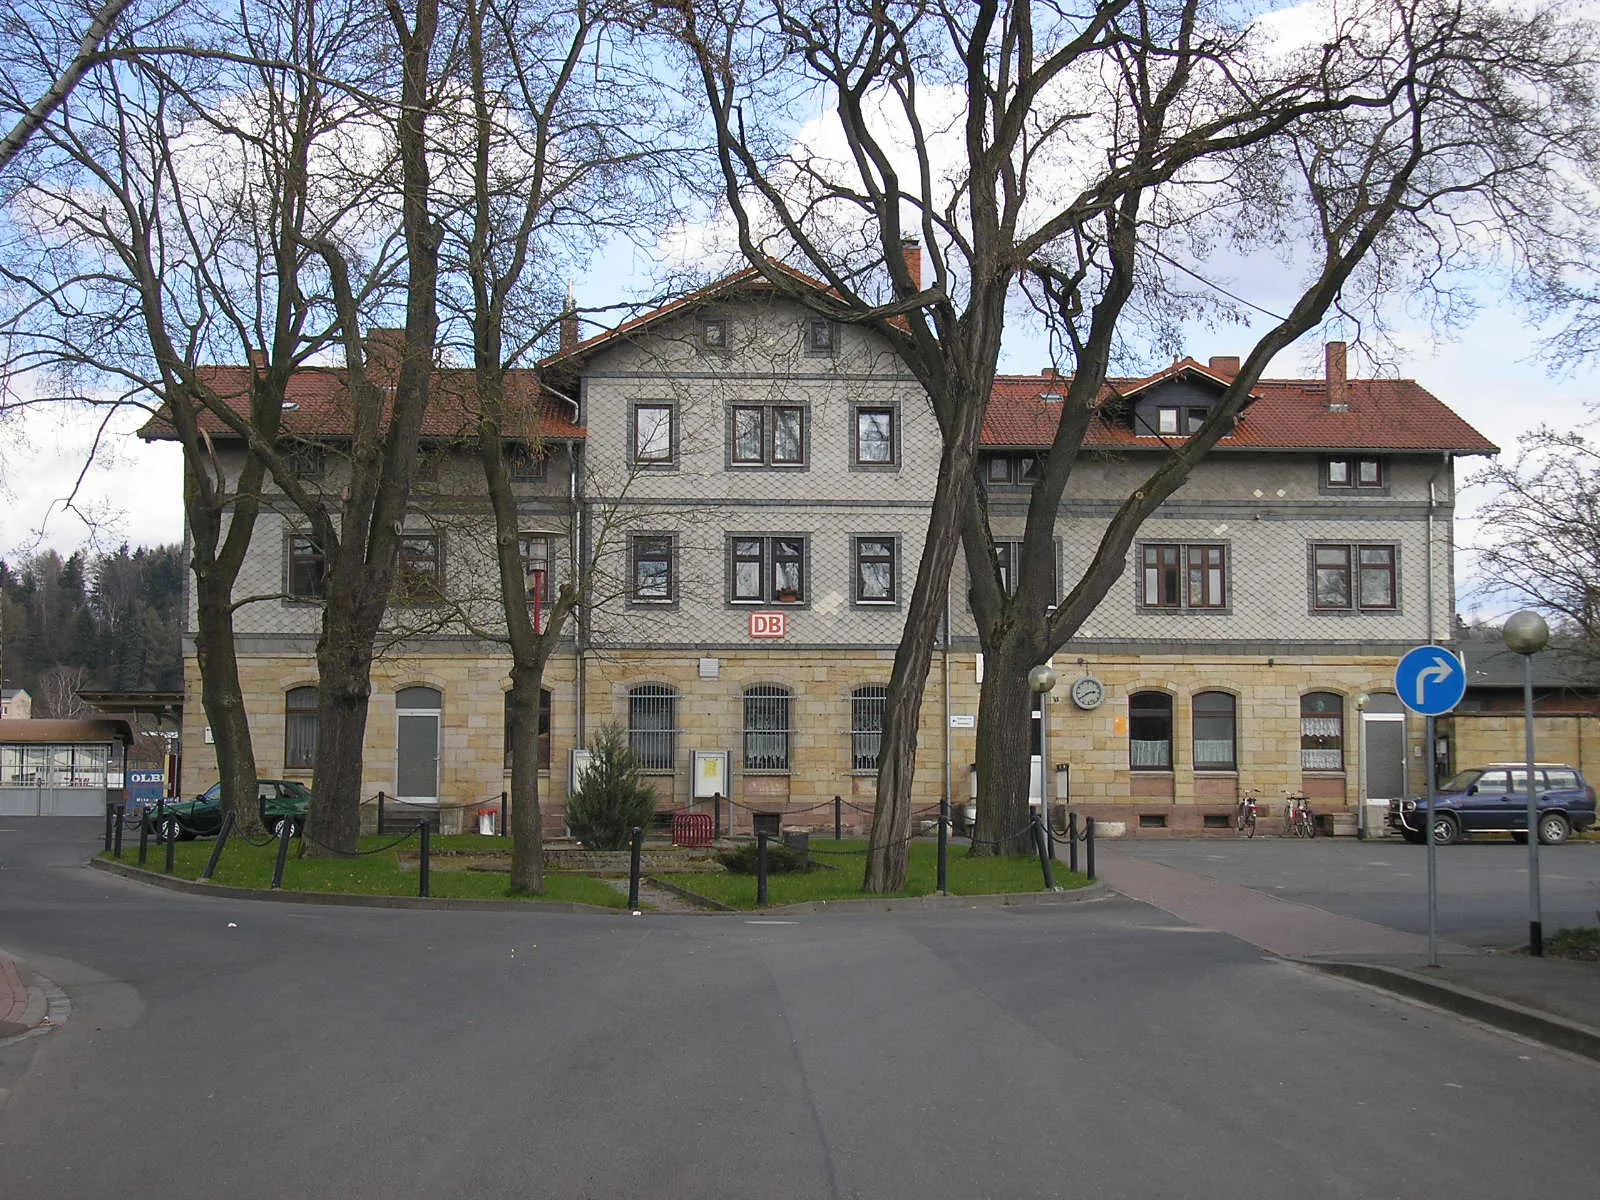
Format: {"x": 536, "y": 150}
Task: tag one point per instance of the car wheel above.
{"x": 291, "y": 822}
{"x": 1553, "y": 829}
{"x": 169, "y": 829}
{"x": 1445, "y": 829}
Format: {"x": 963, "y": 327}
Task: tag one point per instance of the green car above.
{"x": 282, "y": 800}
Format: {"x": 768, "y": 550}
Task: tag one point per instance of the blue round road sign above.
{"x": 1430, "y": 680}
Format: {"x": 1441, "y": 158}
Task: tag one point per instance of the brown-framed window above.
{"x": 1353, "y": 472}
{"x": 1162, "y": 575}
{"x": 1208, "y": 576}
{"x": 419, "y": 577}
{"x": 1150, "y": 731}
{"x": 1216, "y": 739}
{"x": 1347, "y": 577}
{"x": 767, "y": 569}
{"x": 308, "y": 569}
{"x": 768, "y": 435}
{"x": 1008, "y": 560}
{"x": 653, "y": 577}
{"x": 1322, "y": 731}
{"x": 876, "y": 436}
{"x": 300, "y": 724}
{"x": 876, "y": 577}
{"x": 544, "y": 729}
{"x": 822, "y": 336}
{"x": 655, "y": 440}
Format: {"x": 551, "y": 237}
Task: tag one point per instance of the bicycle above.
{"x": 1297, "y": 816}
{"x": 1246, "y": 817}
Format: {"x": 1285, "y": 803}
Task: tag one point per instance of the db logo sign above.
{"x": 769, "y": 624}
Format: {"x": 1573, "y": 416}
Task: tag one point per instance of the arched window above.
{"x": 866, "y": 725}
{"x": 300, "y": 728}
{"x": 653, "y": 725}
{"x": 1150, "y": 731}
{"x": 544, "y": 729}
{"x": 1215, "y": 732}
{"x": 766, "y": 728}
{"x": 1322, "y": 731}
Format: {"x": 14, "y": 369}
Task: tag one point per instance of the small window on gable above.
{"x": 1195, "y": 417}
{"x": 714, "y": 333}
{"x": 821, "y": 336}
{"x": 1352, "y": 472}
{"x": 1166, "y": 420}
{"x": 524, "y": 464}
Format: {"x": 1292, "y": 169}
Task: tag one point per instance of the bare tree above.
{"x": 1539, "y": 534}
{"x": 1080, "y": 154}
{"x": 58, "y": 692}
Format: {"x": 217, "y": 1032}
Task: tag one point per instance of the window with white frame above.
{"x": 876, "y": 577}
{"x": 769, "y": 570}
{"x": 1322, "y": 731}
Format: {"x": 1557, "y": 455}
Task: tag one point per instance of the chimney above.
{"x": 1334, "y": 373}
{"x": 1225, "y": 364}
{"x": 569, "y": 321}
{"x": 911, "y": 253}
{"x": 258, "y": 359}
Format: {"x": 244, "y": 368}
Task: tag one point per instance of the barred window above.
{"x": 766, "y": 728}
{"x": 867, "y": 705}
{"x": 1322, "y": 731}
{"x": 300, "y": 728}
{"x": 1215, "y": 732}
{"x": 653, "y": 726}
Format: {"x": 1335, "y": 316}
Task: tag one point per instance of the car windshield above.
{"x": 1462, "y": 781}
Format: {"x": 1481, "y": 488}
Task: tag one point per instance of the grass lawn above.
{"x": 1582, "y": 944}
{"x": 377, "y": 874}
{"x": 968, "y": 876}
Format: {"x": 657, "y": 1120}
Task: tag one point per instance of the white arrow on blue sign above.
{"x": 1430, "y": 680}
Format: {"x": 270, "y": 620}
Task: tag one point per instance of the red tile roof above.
{"x": 322, "y": 406}
{"x": 1284, "y": 414}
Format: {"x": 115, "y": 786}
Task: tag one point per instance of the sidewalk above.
{"x": 1550, "y": 1000}
{"x": 28, "y": 1002}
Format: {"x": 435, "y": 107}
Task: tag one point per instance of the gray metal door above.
{"x": 417, "y": 739}
{"x": 1385, "y": 739}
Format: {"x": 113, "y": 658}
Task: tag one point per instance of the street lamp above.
{"x": 1042, "y": 680}
{"x": 1526, "y": 634}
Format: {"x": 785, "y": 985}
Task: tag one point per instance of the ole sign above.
{"x": 769, "y": 624}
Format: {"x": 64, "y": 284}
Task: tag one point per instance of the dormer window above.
{"x": 1003, "y": 469}
{"x": 1179, "y": 422}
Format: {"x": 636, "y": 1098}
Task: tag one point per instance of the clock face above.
{"x": 1088, "y": 692}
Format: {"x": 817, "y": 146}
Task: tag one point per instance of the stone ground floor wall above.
{"x": 1499, "y": 737}
{"x": 1093, "y": 745}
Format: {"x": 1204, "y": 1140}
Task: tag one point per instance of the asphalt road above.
{"x": 1098, "y": 1049}
{"x": 1483, "y": 884}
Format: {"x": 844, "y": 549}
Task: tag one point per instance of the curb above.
{"x": 46, "y": 1007}
{"x": 1491, "y": 1010}
{"x": 1093, "y": 891}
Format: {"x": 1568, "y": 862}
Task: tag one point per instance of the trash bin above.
{"x": 486, "y": 821}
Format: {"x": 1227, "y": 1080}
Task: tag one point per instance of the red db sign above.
{"x": 769, "y": 624}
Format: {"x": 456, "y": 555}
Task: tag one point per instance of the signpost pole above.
{"x": 1433, "y": 853}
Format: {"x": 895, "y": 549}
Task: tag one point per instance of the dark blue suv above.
{"x": 1494, "y": 799}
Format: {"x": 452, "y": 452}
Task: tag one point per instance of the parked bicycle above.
{"x": 1249, "y": 803}
{"x": 1297, "y": 815}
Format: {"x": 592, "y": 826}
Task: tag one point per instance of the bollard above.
{"x": 716, "y": 815}
{"x": 144, "y": 838}
{"x": 1072, "y": 842}
{"x": 172, "y": 843}
{"x": 503, "y": 826}
{"x": 633, "y": 868}
{"x": 424, "y": 884}
{"x": 944, "y": 846}
{"x": 111, "y": 815}
{"x": 116, "y": 836}
{"x": 285, "y": 830}
{"x": 1088, "y": 844}
{"x": 838, "y": 818}
{"x": 1041, "y": 839}
{"x": 216, "y": 851}
{"x": 380, "y": 812}
{"x": 761, "y": 870}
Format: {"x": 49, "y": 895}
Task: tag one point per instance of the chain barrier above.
{"x": 338, "y": 853}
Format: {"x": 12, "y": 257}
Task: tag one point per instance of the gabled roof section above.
{"x": 1380, "y": 415}
{"x": 317, "y": 405}
{"x": 1181, "y": 368}
{"x": 748, "y": 278}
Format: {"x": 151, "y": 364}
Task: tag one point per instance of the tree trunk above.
{"x": 344, "y": 686}
{"x": 527, "y": 847}
{"x": 1004, "y": 752}
{"x": 223, "y": 700}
